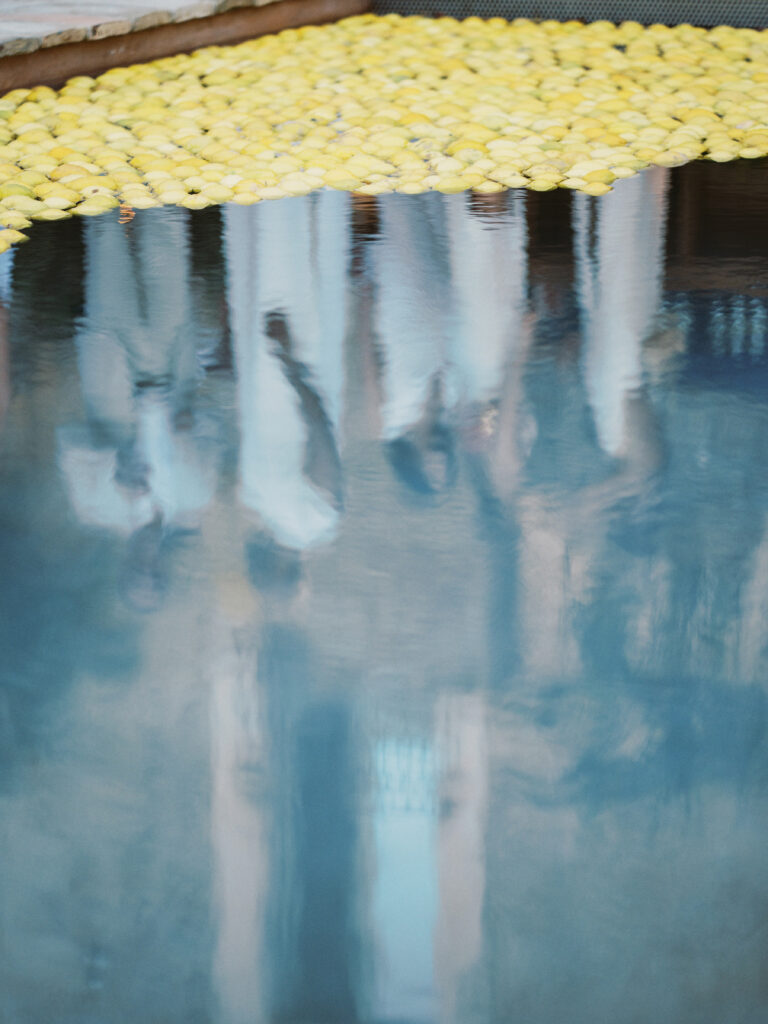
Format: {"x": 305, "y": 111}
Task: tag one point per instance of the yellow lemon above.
{"x": 596, "y": 188}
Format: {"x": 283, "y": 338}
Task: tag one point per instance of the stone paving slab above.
{"x": 34, "y": 24}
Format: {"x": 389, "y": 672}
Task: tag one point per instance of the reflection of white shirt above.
{"x": 619, "y": 281}
{"x": 287, "y": 258}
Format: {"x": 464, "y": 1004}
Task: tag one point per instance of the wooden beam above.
{"x": 54, "y": 65}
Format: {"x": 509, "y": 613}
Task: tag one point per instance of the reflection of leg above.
{"x": 111, "y": 288}
{"x": 162, "y": 348}
{"x": 301, "y": 274}
{"x": 324, "y": 357}
{"x": 273, "y": 449}
{"x": 489, "y": 292}
{"x": 181, "y": 465}
{"x": 322, "y": 464}
{"x": 287, "y": 446}
{"x": 105, "y": 383}
{"x": 410, "y": 312}
{"x": 619, "y": 249}
{"x": 282, "y": 272}
{"x": 208, "y": 288}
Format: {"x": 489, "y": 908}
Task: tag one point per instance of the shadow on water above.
{"x": 383, "y": 610}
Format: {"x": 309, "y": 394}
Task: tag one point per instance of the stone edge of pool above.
{"x": 29, "y": 62}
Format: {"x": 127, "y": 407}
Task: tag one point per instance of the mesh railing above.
{"x": 742, "y": 14}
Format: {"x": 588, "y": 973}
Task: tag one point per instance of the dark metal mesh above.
{"x": 744, "y": 14}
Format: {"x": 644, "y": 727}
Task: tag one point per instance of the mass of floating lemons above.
{"x": 381, "y": 104}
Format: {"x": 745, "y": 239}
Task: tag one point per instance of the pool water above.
{"x": 384, "y": 610}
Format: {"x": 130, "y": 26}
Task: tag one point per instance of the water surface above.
{"x": 383, "y": 611}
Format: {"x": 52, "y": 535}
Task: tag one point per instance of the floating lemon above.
{"x": 375, "y": 104}
{"x": 14, "y": 219}
{"x": 8, "y": 236}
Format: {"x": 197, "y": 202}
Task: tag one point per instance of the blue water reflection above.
{"x": 383, "y": 612}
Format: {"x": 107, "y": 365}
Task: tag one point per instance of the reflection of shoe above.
{"x": 424, "y": 463}
{"x": 272, "y": 567}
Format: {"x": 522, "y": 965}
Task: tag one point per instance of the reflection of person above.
{"x": 141, "y": 465}
{"x": 287, "y": 297}
{"x": 287, "y": 948}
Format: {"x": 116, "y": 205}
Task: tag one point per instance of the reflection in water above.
{"x": 6, "y": 269}
{"x": 140, "y": 464}
{"x": 448, "y": 700}
{"x": 619, "y": 249}
{"x": 287, "y": 285}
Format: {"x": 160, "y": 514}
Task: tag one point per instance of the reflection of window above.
{"x": 405, "y": 772}
{"x": 405, "y": 894}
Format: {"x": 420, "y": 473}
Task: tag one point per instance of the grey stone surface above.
{"x": 111, "y": 28}
{"x": 23, "y": 44}
{"x": 204, "y": 9}
{"x": 151, "y": 20}
{"x": 67, "y": 35}
{"x": 25, "y": 25}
